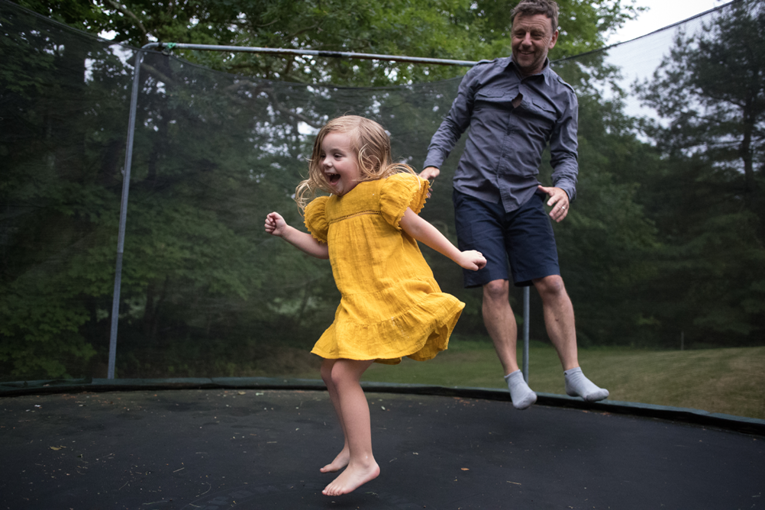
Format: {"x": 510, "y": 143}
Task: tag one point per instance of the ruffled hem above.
{"x": 420, "y": 334}
{"x": 315, "y": 219}
{"x": 416, "y": 205}
{"x": 418, "y": 202}
{"x": 398, "y": 195}
{"x": 322, "y": 241}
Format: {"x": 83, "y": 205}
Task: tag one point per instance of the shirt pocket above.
{"x": 542, "y": 118}
{"x": 492, "y": 99}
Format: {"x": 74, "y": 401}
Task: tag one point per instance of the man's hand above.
{"x": 558, "y": 201}
{"x": 430, "y": 173}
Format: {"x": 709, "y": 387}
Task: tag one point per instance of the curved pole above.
{"x": 123, "y": 212}
{"x": 317, "y": 53}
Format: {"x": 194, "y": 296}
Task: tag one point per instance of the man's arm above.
{"x": 563, "y": 158}
{"x": 563, "y": 148}
{"x": 454, "y": 124}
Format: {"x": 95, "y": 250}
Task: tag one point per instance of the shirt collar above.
{"x": 545, "y": 72}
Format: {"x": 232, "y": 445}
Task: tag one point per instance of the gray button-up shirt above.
{"x": 505, "y": 143}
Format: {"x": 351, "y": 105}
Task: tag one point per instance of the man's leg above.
{"x": 561, "y": 328}
{"x": 480, "y": 226}
{"x": 500, "y": 322}
{"x": 559, "y": 319}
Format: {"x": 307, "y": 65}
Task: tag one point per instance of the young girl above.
{"x": 391, "y": 305}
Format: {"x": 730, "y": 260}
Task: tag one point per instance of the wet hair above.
{"x": 533, "y": 7}
{"x": 369, "y": 142}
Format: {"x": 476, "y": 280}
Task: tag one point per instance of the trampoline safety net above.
{"x": 663, "y": 248}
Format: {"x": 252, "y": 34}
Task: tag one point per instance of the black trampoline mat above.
{"x": 214, "y": 449}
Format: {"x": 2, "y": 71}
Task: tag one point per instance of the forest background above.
{"x": 663, "y": 247}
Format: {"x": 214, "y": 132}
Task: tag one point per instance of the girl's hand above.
{"x": 275, "y": 224}
{"x": 472, "y": 260}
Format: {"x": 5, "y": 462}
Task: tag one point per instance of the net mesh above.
{"x": 663, "y": 247}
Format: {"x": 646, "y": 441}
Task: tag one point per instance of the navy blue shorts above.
{"x": 524, "y": 236}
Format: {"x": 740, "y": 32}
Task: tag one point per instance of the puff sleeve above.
{"x": 316, "y": 219}
{"x": 400, "y": 191}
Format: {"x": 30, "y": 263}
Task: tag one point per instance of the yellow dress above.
{"x": 391, "y": 305}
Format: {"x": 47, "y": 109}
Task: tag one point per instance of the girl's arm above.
{"x": 430, "y": 236}
{"x": 275, "y": 225}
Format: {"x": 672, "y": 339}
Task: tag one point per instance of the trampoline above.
{"x": 214, "y": 150}
{"x": 259, "y": 444}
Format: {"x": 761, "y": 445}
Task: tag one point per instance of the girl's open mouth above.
{"x": 333, "y": 178}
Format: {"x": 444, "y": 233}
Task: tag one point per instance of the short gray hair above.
{"x": 532, "y": 7}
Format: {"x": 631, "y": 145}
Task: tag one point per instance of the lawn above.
{"x": 730, "y": 380}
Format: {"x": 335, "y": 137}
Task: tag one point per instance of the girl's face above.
{"x": 339, "y": 163}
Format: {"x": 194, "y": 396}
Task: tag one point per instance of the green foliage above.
{"x": 40, "y": 328}
{"x": 451, "y": 29}
{"x": 706, "y": 194}
{"x": 206, "y": 291}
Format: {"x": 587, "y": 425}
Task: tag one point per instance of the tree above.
{"x": 711, "y": 87}
{"x": 214, "y": 153}
{"x": 706, "y": 195}
{"x": 452, "y": 29}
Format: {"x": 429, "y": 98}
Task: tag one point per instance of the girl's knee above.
{"x": 339, "y": 374}
{"x": 346, "y": 371}
{"x": 326, "y": 371}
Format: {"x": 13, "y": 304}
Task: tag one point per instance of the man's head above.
{"x": 534, "y": 34}
{"x": 532, "y": 7}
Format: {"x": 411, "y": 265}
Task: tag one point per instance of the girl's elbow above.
{"x": 411, "y": 227}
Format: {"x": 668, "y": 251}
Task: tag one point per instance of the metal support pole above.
{"x": 123, "y": 215}
{"x": 526, "y": 313}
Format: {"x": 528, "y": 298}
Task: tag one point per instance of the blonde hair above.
{"x": 369, "y": 142}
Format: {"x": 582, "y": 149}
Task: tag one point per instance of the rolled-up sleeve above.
{"x": 563, "y": 149}
{"x": 454, "y": 125}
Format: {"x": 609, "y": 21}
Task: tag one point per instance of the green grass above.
{"x": 730, "y": 380}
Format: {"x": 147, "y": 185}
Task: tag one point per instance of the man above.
{"x": 514, "y": 107}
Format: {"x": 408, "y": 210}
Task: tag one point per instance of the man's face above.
{"x": 533, "y": 37}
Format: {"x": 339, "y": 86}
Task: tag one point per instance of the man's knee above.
{"x": 496, "y": 291}
{"x": 550, "y": 286}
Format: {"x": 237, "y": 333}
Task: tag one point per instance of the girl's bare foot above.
{"x": 339, "y": 463}
{"x": 352, "y": 478}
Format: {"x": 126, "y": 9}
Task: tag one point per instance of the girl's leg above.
{"x": 354, "y": 409}
{"x": 342, "y": 458}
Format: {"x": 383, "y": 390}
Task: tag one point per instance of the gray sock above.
{"x": 520, "y": 392}
{"x": 577, "y": 385}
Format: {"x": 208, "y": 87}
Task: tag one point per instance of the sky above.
{"x": 661, "y": 14}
